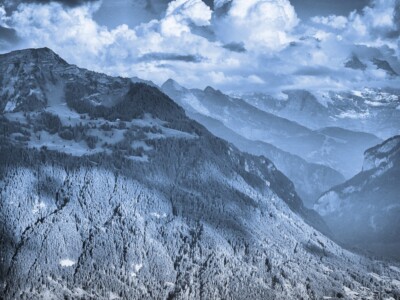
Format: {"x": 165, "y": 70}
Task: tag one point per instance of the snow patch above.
{"x": 357, "y": 93}
{"x": 350, "y": 293}
{"x": 67, "y": 262}
{"x": 113, "y": 296}
{"x": 158, "y": 216}
{"x": 138, "y": 267}
{"x": 143, "y": 158}
{"x": 393, "y": 268}
{"x": 38, "y": 206}
{"x": 352, "y": 114}
{"x": 141, "y": 144}
{"x": 10, "y": 106}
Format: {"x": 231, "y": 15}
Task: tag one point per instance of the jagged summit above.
{"x": 211, "y": 90}
{"x": 172, "y": 84}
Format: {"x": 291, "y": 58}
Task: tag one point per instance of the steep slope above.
{"x": 310, "y": 180}
{"x": 109, "y": 191}
{"x": 364, "y": 211}
{"x": 259, "y": 125}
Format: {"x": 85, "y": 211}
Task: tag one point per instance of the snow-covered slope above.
{"x": 109, "y": 191}
{"x": 364, "y": 211}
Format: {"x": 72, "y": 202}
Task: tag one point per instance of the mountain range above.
{"x": 337, "y": 148}
{"x": 109, "y": 190}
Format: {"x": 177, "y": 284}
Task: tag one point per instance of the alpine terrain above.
{"x": 364, "y": 211}
{"x": 108, "y": 190}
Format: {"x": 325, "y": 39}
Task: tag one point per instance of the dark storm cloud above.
{"x": 8, "y": 38}
{"x": 64, "y": 2}
{"x": 171, "y": 57}
{"x": 9, "y": 35}
{"x": 235, "y": 47}
{"x": 309, "y": 8}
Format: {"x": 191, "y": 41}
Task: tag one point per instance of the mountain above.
{"x": 301, "y": 106}
{"x": 374, "y": 111}
{"x": 108, "y": 190}
{"x": 254, "y": 123}
{"x": 310, "y": 180}
{"x": 139, "y": 80}
{"x": 364, "y": 211}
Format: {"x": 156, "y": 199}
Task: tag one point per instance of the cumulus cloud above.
{"x": 263, "y": 25}
{"x": 377, "y": 25}
{"x": 338, "y": 22}
{"x": 181, "y": 14}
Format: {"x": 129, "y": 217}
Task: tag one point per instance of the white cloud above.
{"x": 181, "y": 14}
{"x": 338, "y": 22}
{"x": 376, "y": 22}
{"x": 279, "y": 52}
{"x": 263, "y": 25}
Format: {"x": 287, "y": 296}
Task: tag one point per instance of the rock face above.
{"x": 108, "y": 190}
{"x": 364, "y": 211}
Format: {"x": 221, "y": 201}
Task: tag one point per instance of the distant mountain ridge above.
{"x": 254, "y": 123}
{"x": 374, "y": 111}
{"x": 310, "y": 179}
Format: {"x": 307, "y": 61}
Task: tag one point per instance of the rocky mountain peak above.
{"x": 172, "y": 85}
{"x": 34, "y": 55}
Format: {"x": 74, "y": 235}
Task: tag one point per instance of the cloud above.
{"x": 338, "y": 22}
{"x": 378, "y": 21}
{"x": 263, "y": 25}
{"x": 235, "y": 47}
{"x": 252, "y": 44}
{"x": 170, "y": 57}
{"x": 181, "y": 14}
{"x": 71, "y": 3}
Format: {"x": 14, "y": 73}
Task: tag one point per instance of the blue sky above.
{"x": 234, "y": 45}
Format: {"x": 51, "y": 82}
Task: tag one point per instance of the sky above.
{"x": 233, "y": 45}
